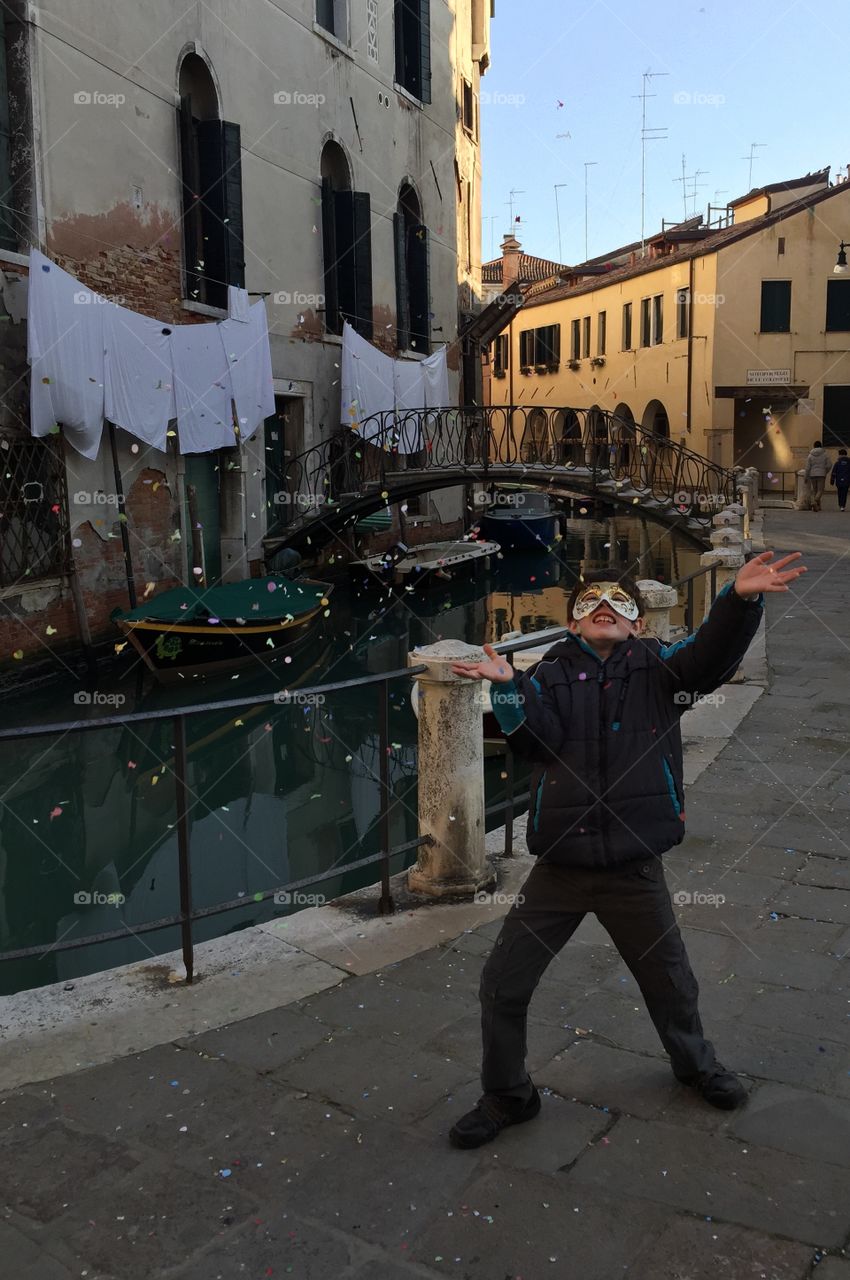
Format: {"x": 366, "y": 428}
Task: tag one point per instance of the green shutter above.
{"x": 775, "y": 306}
{"x": 402, "y": 303}
{"x": 420, "y": 305}
{"x": 329, "y": 253}
{"x": 363, "y": 261}
{"x": 211, "y": 192}
{"x": 838, "y": 306}
{"x": 232, "y": 203}
{"x": 425, "y": 50}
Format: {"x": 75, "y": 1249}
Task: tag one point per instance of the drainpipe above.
{"x": 688, "y": 395}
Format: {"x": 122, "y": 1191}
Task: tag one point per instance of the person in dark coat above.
{"x": 840, "y": 477}
{"x": 598, "y": 717}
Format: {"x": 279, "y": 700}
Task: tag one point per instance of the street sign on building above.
{"x": 771, "y": 377}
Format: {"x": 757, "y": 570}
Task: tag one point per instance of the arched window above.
{"x": 568, "y": 438}
{"x": 211, "y": 162}
{"x": 346, "y": 245}
{"x": 536, "y": 437}
{"x": 413, "y": 303}
{"x": 655, "y": 419}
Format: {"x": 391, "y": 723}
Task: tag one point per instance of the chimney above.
{"x": 511, "y": 249}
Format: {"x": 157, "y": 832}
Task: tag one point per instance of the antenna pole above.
{"x": 588, "y": 164}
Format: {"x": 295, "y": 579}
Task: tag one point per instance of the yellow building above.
{"x": 732, "y": 337}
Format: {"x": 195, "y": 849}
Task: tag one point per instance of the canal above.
{"x": 88, "y": 841}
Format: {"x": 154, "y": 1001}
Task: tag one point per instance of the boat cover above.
{"x": 250, "y": 601}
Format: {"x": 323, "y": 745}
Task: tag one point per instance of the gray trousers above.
{"x": 633, "y": 904}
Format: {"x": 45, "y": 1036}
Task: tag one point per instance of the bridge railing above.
{"x": 601, "y": 448}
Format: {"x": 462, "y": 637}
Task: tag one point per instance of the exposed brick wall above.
{"x": 149, "y": 282}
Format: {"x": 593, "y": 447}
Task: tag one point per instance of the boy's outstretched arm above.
{"x": 713, "y": 653}
{"x": 523, "y": 708}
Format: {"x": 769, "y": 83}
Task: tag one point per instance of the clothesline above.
{"x": 373, "y": 383}
{"x": 92, "y": 360}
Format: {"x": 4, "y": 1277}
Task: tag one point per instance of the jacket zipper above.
{"x": 603, "y": 760}
{"x": 538, "y": 802}
{"x": 671, "y": 786}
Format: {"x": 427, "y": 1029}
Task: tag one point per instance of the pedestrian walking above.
{"x": 840, "y": 477}
{"x": 598, "y": 717}
{"x": 817, "y": 469}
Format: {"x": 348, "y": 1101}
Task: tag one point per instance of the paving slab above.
{"x": 796, "y": 1120}
{"x": 271, "y": 1040}
{"x": 691, "y": 1249}
{"x": 528, "y": 1224}
{"x": 834, "y": 1269}
{"x": 372, "y": 1005}
{"x": 713, "y": 1175}
{"x": 290, "y": 1245}
{"x": 830, "y": 905}
{"x": 30, "y": 1258}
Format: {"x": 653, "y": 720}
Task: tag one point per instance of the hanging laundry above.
{"x": 368, "y": 383}
{"x": 238, "y": 304}
{"x": 138, "y": 383}
{"x": 202, "y": 389}
{"x": 248, "y": 355}
{"x": 65, "y": 351}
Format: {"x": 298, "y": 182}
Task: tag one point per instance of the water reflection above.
{"x": 279, "y": 792}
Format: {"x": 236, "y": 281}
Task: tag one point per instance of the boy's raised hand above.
{"x": 497, "y": 669}
{"x": 759, "y": 575}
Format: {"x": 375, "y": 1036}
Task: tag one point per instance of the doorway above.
{"x": 284, "y": 440}
{"x": 202, "y": 518}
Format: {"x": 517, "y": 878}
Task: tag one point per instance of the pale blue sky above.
{"x": 738, "y": 72}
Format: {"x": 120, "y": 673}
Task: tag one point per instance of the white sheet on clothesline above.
{"x": 246, "y": 348}
{"x": 202, "y": 389}
{"x": 139, "y": 387}
{"x": 374, "y": 383}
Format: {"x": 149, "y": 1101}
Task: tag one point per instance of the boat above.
{"x": 183, "y": 632}
{"x": 412, "y": 566}
{"x": 520, "y": 520}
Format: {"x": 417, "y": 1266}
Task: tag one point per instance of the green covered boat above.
{"x": 184, "y": 632}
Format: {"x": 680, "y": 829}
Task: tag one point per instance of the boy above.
{"x": 599, "y": 718}
{"x": 840, "y": 477}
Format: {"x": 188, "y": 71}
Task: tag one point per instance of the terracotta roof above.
{"x": 530, "y": 268}
{"x": 717, "y": 239}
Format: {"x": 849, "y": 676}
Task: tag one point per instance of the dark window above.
{"x": 645, "y": 322}
{"x": 413, "y": 286}
{"x": 585, "y": 337}
{"x": 34, "y": 525}
{"x": 627, "y": 326}
{"x": 838, "y": 306}
{"x": 8, "y": 238}
{"x": 347, "y": 239}
{"x": 332, "y": 15}
{"x": 500, "y": 354}
{"x": 683, "y": 313}
{"x": 775, "y": 306}
{"x": 211, "y": 157}
{"x": 836, "y": 417}
{"x": 547, "y": 345}
{"x": 780, "y": 245}
{"x": 468, "y": 108}
{"x": 657, "y": 319}
{"x": 413, "y": 47}
{"x": 601, "y": 335}
{"x": 526, "y": 348}
{"x": 574, "y": 339}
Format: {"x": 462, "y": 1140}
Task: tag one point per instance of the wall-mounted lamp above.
{"x": 841, "y": 268}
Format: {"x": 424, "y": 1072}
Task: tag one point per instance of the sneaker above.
{"x": 490, "y": 1115}
{"x": 719, "y": 1087}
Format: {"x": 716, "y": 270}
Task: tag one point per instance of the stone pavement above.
{"x": 309, "y": 1141}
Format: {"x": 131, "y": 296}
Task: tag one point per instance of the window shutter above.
{"x": 399, "y": 42}
{"x": 838, "y": 306}
{"x": 775, "y": 306}
{"x": 420, "y": 292}
{"x": 363, "y": 261}
{"x": 402, "y": 301}
{"x": 425, "y": 50}
{"x": 213, "y": 248}
{"x": 329, "y": 254}
{"x": 191, "y": 191}
{"x": 8, "y": 237}
{"x": 232, "y": 204}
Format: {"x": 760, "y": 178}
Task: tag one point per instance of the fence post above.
{"x": 183, "y": 851}
{"x": 385, "y": 903}
{"x": 659, "y": 599}
{"x": 451, "y": 775}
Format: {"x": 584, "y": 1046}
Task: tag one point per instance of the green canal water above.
{"x": 278, "y": 792}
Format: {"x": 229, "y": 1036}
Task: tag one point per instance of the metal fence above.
{"x": 33, "y": 510}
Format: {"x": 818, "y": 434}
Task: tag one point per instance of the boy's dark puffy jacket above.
{"x": 841, "y": 472}
{"x": 605, "y": 736}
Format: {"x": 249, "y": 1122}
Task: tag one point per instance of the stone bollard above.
{"x": 728, "y": 563}
{"x": 659, "y": 600}
{"x": 802, "y": 502}
{"x": 730, "y": 537}
{"x": 451, "y": 775}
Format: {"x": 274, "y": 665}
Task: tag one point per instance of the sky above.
{"x": 735, "y": 72}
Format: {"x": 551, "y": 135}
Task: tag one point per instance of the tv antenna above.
{"x": 493, "y": 218}
{"x": 510, "y": 203}
{"x": 559, "y": 186}
{"x": 587, "y": 165}
{"x": 653, "y": 134}
{"x": 750, "y": 158}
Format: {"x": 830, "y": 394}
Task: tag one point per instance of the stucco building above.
{"x": 732, "y": 337}
{"x": 323, "y": 153}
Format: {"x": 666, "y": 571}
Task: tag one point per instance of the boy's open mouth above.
{"x": 605, "y": 618}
